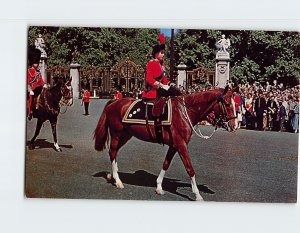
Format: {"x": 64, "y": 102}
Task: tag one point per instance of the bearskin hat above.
{"x": 160, "y": 46}
{"x": 34, "y": 55}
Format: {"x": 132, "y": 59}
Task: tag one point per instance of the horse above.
{"x": 48, "y": 108}
{"x": 188, "y": 111}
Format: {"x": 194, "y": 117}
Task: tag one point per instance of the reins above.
{"x": 221, "y": 121}
{"x": 186, "y": 115}
{"x": 54, "y": 110}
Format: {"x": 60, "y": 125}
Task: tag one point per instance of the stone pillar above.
{"x": 43, "y": 68}
{"x": 181, "y": 78}
{"x": 40, "y": 45}
{"x": 222, "y": 69}
{"x": 74, "y": 74}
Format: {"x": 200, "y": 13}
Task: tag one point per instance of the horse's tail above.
{"x": 101, "y": 135}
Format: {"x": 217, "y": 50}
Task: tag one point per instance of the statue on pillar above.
{"x": 40, "y": 45}
{"x": 75, "y": 56}
{"x": 223, "y": 44}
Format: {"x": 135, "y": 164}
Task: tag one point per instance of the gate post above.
{"x": 222, "y": 62}
{"x": 74, "y": 73}
{"x": 182, "y": 78}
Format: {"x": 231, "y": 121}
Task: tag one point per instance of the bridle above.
{"x": 220, "y": 121}
{"x": 67, "y": 94}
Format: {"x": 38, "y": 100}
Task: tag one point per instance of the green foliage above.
{"x": 93, "y": 44}
{"x": 255, "y": 55}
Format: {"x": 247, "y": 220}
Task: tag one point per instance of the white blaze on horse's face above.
{"x": 69, "y": 95}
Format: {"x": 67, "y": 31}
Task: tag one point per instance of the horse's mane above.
{"x": 197, "y": 97}
{"x": 56, "y": 86}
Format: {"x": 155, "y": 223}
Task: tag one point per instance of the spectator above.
{"x": 260, "y": 108}
{"x": 295, "y": 117}
{"x": 271, "y": 112}
{"x": 281, "y": 115}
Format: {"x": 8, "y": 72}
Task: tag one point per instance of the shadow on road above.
{"x": 145, "y": 179}
{"x": 42, "y": 143}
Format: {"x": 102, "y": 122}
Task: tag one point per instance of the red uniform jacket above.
{"x": 34, "y": 78}
{"x": 86, "y": 97}
{"x": 119, "y": 96}
{"x": 154, "y": 72}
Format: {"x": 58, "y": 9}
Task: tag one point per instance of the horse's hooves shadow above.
{"x": 145, "y": 179}
{"x": 42, "y": 143}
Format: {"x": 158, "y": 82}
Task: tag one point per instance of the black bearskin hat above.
{"x": 158, "y": 47}
{"x": 34, "y": 55}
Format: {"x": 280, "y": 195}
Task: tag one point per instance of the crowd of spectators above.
{"x": 264, "y": 107}
{"x": 271, "y": 107}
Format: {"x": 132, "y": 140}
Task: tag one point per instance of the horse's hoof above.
{"x": 30, "y": 147}
{"x": 159, "y": 191}
{"x": 58, "y": 150}
{"x": 199, "y": 198}
{"x": 119, "y": 185}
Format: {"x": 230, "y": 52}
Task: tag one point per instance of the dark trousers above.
{"x": 86, "y": 108}
{"x": 259, "y": 121}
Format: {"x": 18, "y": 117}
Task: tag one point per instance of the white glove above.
{"x": 165, "y": 87}
{"x": 45, "y": 86}
{"x": 31, "y": 93}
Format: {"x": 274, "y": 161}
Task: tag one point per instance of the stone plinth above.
{"x": 74, "y": 74}
{"x": 222, "y": 69}
{"x": 181, "y": 78}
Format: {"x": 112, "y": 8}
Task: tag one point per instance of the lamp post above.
{"x": 172, "y": 56}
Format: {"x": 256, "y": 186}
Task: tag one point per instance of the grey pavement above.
{"x": 245, "y": 166}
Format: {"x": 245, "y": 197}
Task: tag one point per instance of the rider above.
{"x": 35, "y": 82}
{"x": 156, "y": 76}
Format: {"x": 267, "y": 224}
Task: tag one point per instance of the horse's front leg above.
{"x": 53, "y": 123}
{"x": 170, "y": 154}
{"x": 36, "y": 133}
{"x": 184, "y": 155}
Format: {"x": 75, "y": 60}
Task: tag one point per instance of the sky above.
{"x": 166, "y": 32}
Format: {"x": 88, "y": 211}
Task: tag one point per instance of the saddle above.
{"x": 150, "y": 112}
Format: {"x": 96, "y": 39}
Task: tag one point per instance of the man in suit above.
{"x": 260, "y": 108}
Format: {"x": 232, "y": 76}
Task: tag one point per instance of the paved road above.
{"x": 246, "y": 166}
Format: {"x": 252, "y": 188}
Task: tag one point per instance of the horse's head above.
{"x": 67, "y": 92}
{"x": 224, "y": 110}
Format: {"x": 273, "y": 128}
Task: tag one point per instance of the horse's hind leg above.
{"x": 170, "y": 154}
{"x": 117, "y": 141}
{"x": 36, "y": 133}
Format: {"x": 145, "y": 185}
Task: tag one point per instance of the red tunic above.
{"x": 34, "y": 78}
{"x": 119, "y": 96}
{"x": 86, "y": 97}
{"x": 154, "y": 72}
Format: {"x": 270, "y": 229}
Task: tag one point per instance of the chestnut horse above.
{"x": 49, "y": 107}
{"x": 188, "y": 110}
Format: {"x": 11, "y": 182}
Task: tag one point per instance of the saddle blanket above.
{"x": 136, "y": 113}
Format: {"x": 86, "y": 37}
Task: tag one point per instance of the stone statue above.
{"x": 40, "y": 45}
{"x": 223, "y": 44}
{"x": 75, "y": 55}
